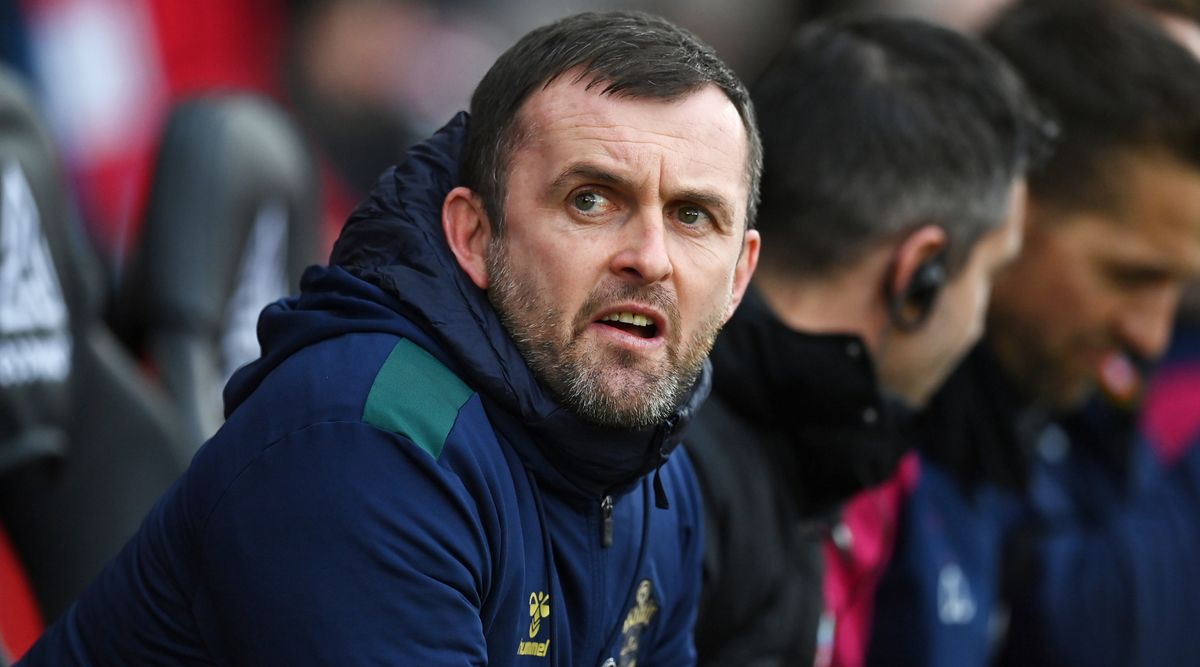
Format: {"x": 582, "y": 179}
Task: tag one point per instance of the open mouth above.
{"x": 632, "y": 323}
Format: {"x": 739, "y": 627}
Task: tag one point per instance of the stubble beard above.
{"x": 611, "y": 387}
{"x": 1043, "y": 373}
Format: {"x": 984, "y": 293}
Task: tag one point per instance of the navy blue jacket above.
{"x": 937, "y": 603}
{"x": 1107, "y": 572}
{"x": 1059, "y": 544}
{"x": 393, "y": 486}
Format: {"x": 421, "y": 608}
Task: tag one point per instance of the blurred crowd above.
{"x": 153, "y": 108}
{"x": 363, "y": 78}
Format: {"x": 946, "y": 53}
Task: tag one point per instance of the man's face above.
{"x": 917, "y": 363}
{"x": 1090, "y": 285}
{"x": 625, "y": 245}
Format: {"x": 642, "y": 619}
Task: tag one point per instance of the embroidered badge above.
{"x": 644, "y": 608}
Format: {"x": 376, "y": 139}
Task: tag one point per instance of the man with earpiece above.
{"x": 1042, "y": 532}
{"x": 893, "y": 191}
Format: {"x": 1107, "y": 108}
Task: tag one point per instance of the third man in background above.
{"x": 1039, "y": 532}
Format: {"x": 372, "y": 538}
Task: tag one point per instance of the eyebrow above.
{"x": 586, "y": 171}
{"x": 1145, "y": 270}
{"x": 589, "y": 172}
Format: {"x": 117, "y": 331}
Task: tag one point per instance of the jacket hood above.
{"x": 980, "y": 427}
{"x": 392, "y": 259}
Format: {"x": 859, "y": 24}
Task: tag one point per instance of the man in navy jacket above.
{"x": 457, "y": 445}
{"x": 1036, "y": 536}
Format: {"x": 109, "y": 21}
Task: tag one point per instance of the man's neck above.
{"x": 849, "y": 302}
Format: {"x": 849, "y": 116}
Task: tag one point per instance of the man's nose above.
{"x": 643, "y": 255}
{"x": 1146, "y": 322}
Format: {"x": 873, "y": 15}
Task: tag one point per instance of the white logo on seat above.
{"x": 262, "y": 278}
{"x": 956, "y": 606}
{"x": 35, "y": 345}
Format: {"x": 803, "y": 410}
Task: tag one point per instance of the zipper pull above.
{"x": 606, "y": 513}
{"x": 660, "y": 493}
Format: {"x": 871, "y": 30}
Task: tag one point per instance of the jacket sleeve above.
{"x": 345, "y": 545}
{"x": 1124, "y": 590}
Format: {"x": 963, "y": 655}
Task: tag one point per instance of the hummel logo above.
{"x": 539, "y": 608}
{"x": 34, "y": 342}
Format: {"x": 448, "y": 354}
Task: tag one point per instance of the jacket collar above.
{"x": 819, "y": 392}
{"x": 394, "y": 240}
{"x": 979, "y": 427}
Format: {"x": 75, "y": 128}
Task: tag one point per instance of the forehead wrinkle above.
{"x": 578, "y": 116}
{"x": 624, "y": 146}
{"x": 719, "y": 139}
{"x": 676, "y": 149}
{"x": 573, "y": 106}
{"x": 622, "y": 163}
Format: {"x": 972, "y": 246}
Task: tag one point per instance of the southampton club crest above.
{"x": 645, "y": 606}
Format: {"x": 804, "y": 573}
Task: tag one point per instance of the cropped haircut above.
{"x": 1117, "y": 83}
{"x": 875, "y": 126}
{"x": 624, "y": 54}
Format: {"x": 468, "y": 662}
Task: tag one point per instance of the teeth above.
{"x": 628, "y": 318}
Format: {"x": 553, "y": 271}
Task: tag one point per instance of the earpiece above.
{"x": 911, "y": 306}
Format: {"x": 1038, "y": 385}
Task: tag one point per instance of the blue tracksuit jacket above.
{"x": 1093, "y": 559}
{"x": 392, "y": 486}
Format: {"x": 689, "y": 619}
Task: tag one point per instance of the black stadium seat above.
{"x": 86, "y": 444}
{"x": 231, "y": 224}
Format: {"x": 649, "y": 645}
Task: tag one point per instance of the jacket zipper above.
{"x": 606, "y": 525}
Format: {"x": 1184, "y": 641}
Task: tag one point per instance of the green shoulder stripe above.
{"x": 416, "y": 396}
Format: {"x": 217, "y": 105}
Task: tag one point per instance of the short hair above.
{"x": 1117, "y": 83}
{"x": 629, "y": 53}
{"x": 875, "y": 126}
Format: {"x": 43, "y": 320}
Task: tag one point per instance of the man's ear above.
{"x": 916, "y": 277}
{"x": 917, "y": 249}
{"x": 468, "y": 231}
{"x": 744, "y": 271}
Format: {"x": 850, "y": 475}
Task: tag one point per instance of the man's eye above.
{"x": 589, "y": 202}
{"x": 691, "y": 215}
{"x": 1137, "y": 277}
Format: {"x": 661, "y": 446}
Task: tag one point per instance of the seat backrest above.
{"x": 231, "y": 223}
{"x": 42, "y": 285}
{"x": 86, "y": 444}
